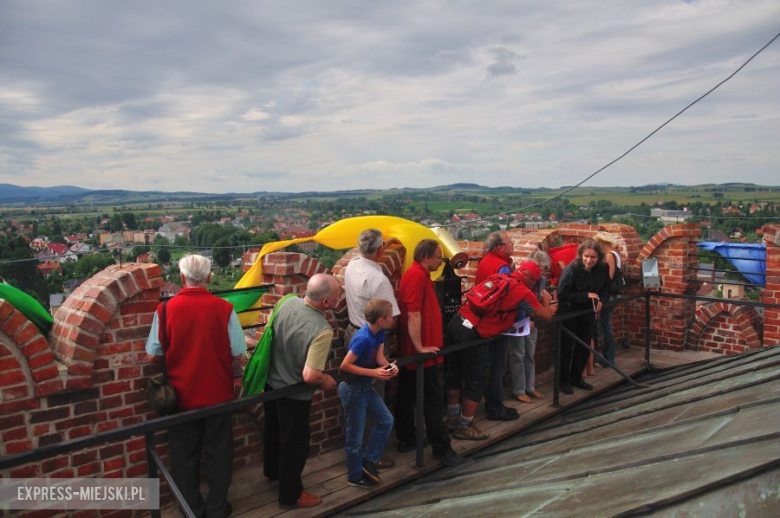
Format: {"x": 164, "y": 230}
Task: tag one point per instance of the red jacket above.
{"x": 197, "y": 355}
{"x": 490, "y": 264}
{"x": 517, "y": 297}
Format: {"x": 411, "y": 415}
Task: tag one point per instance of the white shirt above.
{"x": 363, "y": 281}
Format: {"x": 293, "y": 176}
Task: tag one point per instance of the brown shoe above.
{"x": 470, "y": 433}
{"x": 523, "y": 398}
{"x": 536, "y": 394}
{"x": 384, "y": 464}
{"x": 308, "y": 500}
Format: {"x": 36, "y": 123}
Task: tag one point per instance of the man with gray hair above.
{"x": 199, "y": 336}
{"x": 301, "y": 343}
{"x": 364, "y": 280}
{"x": 497, "y": 259}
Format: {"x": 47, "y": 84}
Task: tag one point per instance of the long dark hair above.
{"x": 590, "y": 244}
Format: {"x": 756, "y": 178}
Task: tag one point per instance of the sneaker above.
{"x": 384, "y": 464}
{"x": 566, "y": 389}
{"x": 370, "y": 471}
{"x": 470, "y": 433}
{"x": 582, "y": 384}
{"x": 365, "y": 483}
{"x": 452, "y": 422}
{"x": 449, "y": 458}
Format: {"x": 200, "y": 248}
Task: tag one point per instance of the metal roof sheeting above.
{"x": 702, "y": 439}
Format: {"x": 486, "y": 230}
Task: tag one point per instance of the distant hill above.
{"x": 68, "y": 194}
{"x": 10, "y": 192}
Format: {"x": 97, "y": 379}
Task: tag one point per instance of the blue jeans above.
{"x": 361, "y": 401}
{"x": 607, "y": 333}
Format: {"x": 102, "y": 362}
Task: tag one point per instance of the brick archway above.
{"x": 82, "y": 322}
{"x": 27, "y": 364}
{"x": 743, "y": 320}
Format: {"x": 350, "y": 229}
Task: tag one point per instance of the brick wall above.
{"x": 771, "y": 293}
{"x": 88, "y": 378}
{"x": 88, "y": 375}
{"x": 725, "y": 328}
{"x": 675, "y": 249}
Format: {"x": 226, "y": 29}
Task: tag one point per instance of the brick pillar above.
{"x": 675, "y": 248}
{"x": 771, "y": 293}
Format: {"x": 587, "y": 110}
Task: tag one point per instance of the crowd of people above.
{"x": 197, "y": 335}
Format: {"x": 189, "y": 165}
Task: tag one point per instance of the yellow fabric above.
{"x": 344, "y": 234}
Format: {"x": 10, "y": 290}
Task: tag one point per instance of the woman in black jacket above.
{"x": 583, "y": 284}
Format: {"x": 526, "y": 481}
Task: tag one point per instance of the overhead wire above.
{"x": 659, "y": 128}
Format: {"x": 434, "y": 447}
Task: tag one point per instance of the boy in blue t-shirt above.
{"x": 364, "y": 361}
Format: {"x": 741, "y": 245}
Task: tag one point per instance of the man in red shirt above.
{"x": 420, "y": 331}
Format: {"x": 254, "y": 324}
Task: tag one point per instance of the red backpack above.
{"x": 484, "y": 299}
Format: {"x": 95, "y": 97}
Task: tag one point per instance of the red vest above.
{"x": 489, "y": 265}
{"x": 198, "y": 357}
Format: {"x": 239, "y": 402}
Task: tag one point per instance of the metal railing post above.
{"x": 419, "y": 414}
{"x": 151, "y": 468}
{"x": 557, "y": 364}
{"x": 647, "y": 330}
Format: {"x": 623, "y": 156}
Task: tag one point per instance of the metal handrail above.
{"x": 147, "y": 428}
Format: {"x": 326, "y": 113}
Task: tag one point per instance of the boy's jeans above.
{"x": 361, "y": 401}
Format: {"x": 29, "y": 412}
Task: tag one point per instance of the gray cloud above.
{"x": 344, "y": 94}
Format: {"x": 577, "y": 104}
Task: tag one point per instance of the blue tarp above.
{"x": 749, "y": 259}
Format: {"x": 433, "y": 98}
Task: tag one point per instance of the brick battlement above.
{"x": 88, "y": 375}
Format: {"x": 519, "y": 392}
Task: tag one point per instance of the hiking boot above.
{"x": 452, "y": 422}
{"x": 470, "y": 433}
{"x": 449, "y": 458}
{"x": 364, "y": 483}
{"x": 370, "y": 471}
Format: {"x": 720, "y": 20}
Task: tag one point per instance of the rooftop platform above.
{"x": 325, "y": 475}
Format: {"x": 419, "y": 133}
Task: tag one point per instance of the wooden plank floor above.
{"x": 253, "y": 496}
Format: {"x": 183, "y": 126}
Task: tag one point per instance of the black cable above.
{"x": 566, "y": 191}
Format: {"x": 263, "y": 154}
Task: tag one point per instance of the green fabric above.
{"x": 243, "y": 300}
{"x": 256, "y": 370}
{"x": 27, "y": 306}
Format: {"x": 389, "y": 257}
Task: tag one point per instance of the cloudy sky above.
{"x": 243, "y": 96}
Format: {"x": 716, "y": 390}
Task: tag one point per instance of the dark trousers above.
{"x": 213, "y": 435}
{"x": 574, "y": 356}
{"x": 433, "y": 409}
{"x": 494, "y": 393}
{"x": 286, "y": 445}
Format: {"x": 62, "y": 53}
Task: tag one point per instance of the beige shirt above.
{"x": 363, "y": 281}
{"x": 317, "y": 356}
